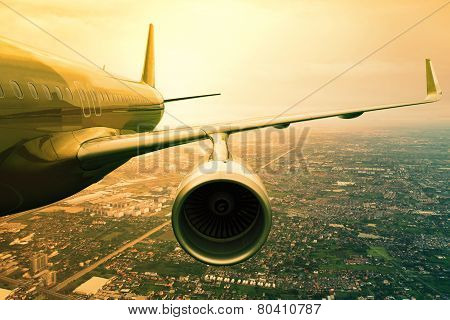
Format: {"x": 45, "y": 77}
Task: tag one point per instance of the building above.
{"x": 39, "y": 262}
{"x": 92, "y": 286}
{"x": 114, "y": 206}
{"x": 50, "y": 278}
{"x": 4, "y": 294}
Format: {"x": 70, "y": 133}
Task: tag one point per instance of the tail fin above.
{"x": 148, "y": 75}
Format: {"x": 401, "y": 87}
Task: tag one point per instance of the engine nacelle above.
{"x": 221, "y": 214}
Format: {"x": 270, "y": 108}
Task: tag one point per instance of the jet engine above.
{"x": 221, "y": 214}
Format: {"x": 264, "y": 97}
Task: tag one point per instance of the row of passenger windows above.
{"x": 67, "y": 94}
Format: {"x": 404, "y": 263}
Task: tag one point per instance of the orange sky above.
{"x": 263, "y": 55}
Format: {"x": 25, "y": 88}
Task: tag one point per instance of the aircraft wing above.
{"x": 96, "y": 152}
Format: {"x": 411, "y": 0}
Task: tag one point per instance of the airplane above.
{"x": 65, "y": 125}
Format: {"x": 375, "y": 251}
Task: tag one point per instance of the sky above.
{"x": 262, "y": 55}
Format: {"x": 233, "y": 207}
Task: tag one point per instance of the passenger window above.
{"x": 83, "y": 95}
{"x": 95, "y": 95}
{"x": 2, "y": 93}
{"x": 16, "y": 88}
{"x": 69, "y": 94}
{"x": 95, "y": 102}
{"x": 33, "y": 91}
{"x": 47, "y": 92}
{"x": 86, "y": 104}
{"x": 59, "y": 93}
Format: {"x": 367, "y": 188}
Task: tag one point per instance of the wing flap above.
{"x": 95, "y": 153}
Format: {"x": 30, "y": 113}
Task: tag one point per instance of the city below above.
{"x": 356, "y": 215}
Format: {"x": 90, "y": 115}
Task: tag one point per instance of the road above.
{"x": 88, "y": 269}
{"x": 14, "y": 282}
{"x": 13, "y": 216}
{"x": 49, "y": 293}
{"x": 18, "y": 215}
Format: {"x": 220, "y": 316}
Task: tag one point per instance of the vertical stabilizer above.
{"x": 148, "y": 75}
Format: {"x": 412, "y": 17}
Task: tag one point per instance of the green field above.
{"x": 379, "y": 252}
{"x": 167, "y": 236}
{"x": 110, "y": 236}
{"x": 170, "y": 269}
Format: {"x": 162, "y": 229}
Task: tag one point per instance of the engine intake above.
{"x": 221, "y": 214}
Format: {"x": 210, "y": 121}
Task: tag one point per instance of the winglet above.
{"x": 148, "y": 75}
{"x": 434, "y": 91}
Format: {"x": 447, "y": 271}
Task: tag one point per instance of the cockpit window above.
{"x": 33, "y": 91}
{"x": 47, "y": 92}
{"x": 16, "y": 89}
{"x": 59, "y": 93}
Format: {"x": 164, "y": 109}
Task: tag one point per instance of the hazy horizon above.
{"x": 263, "y": 56}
